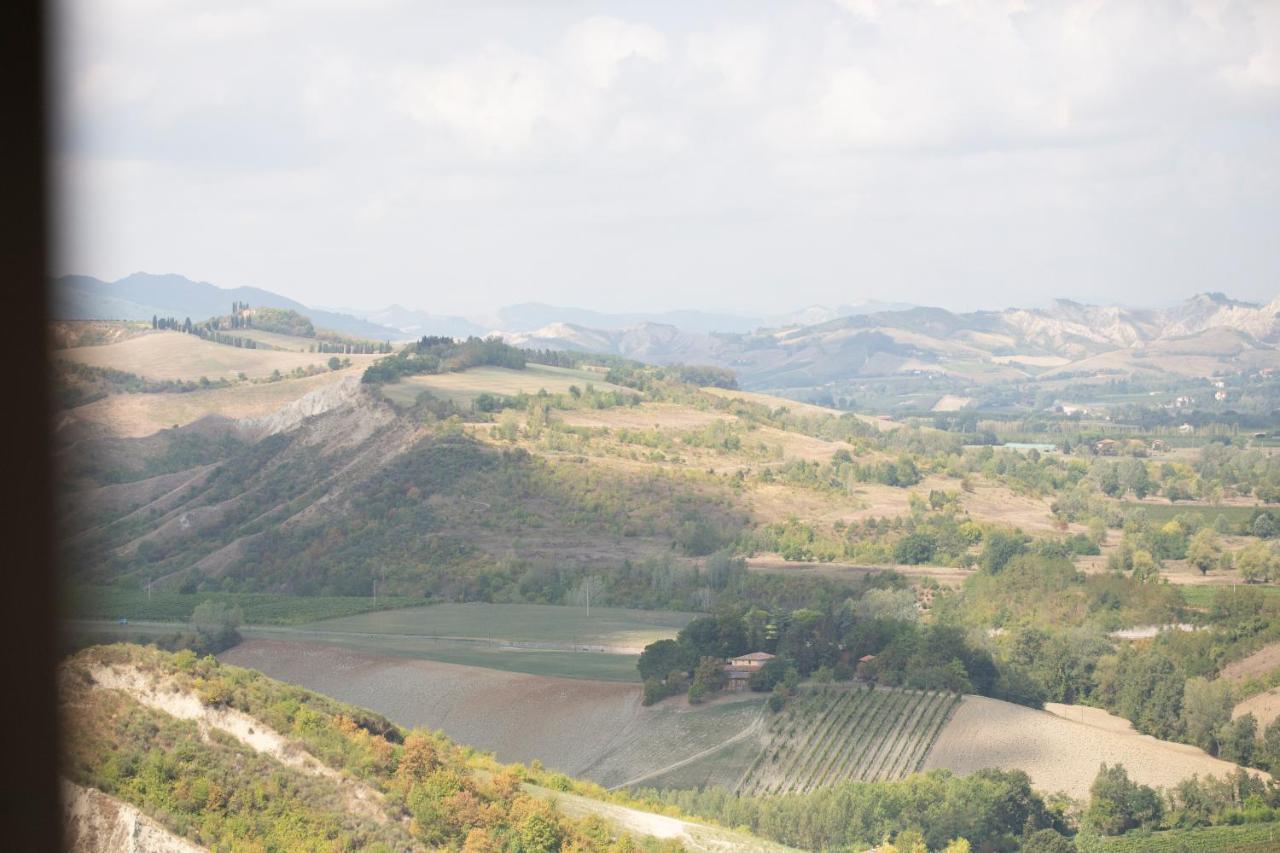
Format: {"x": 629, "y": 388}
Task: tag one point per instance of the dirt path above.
{"x": 95, "y": 822}
{"x": 749, "y": 731}
{"x": 163, "y": 695}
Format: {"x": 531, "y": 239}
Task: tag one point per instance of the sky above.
{"x": 742, "y": 156}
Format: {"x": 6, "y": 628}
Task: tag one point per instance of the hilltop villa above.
{"x": 739, "y": 669}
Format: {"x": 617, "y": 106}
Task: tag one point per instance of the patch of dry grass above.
{"x": 133, "y": 415}
{"x": 174, "y": 355}
{"x": 664, "y": 416}
{"x": 465, "y": 386}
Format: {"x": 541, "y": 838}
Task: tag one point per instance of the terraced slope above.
{"x": 839, "y": 733}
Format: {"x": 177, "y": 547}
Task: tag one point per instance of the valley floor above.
{"x": 599, "y": 730}
{"x": 593, "y": 729}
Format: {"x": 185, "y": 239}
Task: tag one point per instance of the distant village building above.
{"x": 864, "y": 667}
{"x": 738, "y": 670}
{"x": 1186, "y": 429}
{"x": 1106, "y": 447}
{"x": 1159, "y": 446}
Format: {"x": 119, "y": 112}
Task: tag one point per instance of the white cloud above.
{"x": 496, "y": 100}
{"x": 736, "y": 55}
{"x": 595, "y": 48}
{"x": 945, "y": 149}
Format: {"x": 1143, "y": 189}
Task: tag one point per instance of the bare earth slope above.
{"x": 593, "y": 729}
{"x": 97, "y": 823}
{"x": 1060, "y": 754}
{"x": 1265, "y": 707}
{"x": 1262, "y": 662}
{"x": 144, "y": 414}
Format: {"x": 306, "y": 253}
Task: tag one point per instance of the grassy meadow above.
{"x": 475, "y": 634}
{"x": 498, "y": 656}
{"x": 605, "y": 626}
{"x": 1242, "y": 838}
{"x": 178, "y": 356}
{"x": 536, "y": 639}
{"x": 99, "y": 602}
{"x": 463, "y": 387}
{"x": 1159, "y": 513}
{"x": 292, "y": 343}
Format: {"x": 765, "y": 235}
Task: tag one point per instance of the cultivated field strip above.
{"x": 833, "y": 734}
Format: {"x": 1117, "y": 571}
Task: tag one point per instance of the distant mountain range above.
{"x": 532, "y": 316}
{"x": 142, "y": 295}
{"x": 1207, "y": 334}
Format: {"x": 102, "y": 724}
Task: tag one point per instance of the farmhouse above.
{"x": 1106, "y": 447}
{"x": 864, "y": 667}
{"x": 738, "y": 670}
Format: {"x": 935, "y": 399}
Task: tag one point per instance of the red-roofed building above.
{"x": 738, "y": 670}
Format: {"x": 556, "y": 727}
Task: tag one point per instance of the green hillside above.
{"x": 231, "y": 759}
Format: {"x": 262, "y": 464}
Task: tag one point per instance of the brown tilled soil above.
{"x": 1061, "y": 753}
{"x": 1265, "y": 707}
{"x": 562, "y": 721}
{"x": 1262, "y": 662}
{"x": 594, "y": 729}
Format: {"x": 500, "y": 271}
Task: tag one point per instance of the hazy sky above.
{"x": 737, "y": 155}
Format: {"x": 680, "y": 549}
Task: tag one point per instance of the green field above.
{"x": 481, "y": 653}
{"x": 111, "y": 603}
{"x": 292, "y": 343}
{"x": 462, "y": 388}
{"x": 537, "y": 639}
{"x": 1203, "y": 596}
{"x": 1160, "y": 513}
{"x": 530, "y": 638}
{"x": 1245, "y": 838}
{"x": 605, "y": 626}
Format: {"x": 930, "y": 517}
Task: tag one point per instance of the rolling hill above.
{"x": 1206, "y": 335}
{"x": 826, "y": 736}
{"x": 141, "y": 295}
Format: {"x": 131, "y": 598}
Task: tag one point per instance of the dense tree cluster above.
{"x": 991, "y": 809}
{"x": 833, "y": 635}
{"x": 436, "y": 354}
